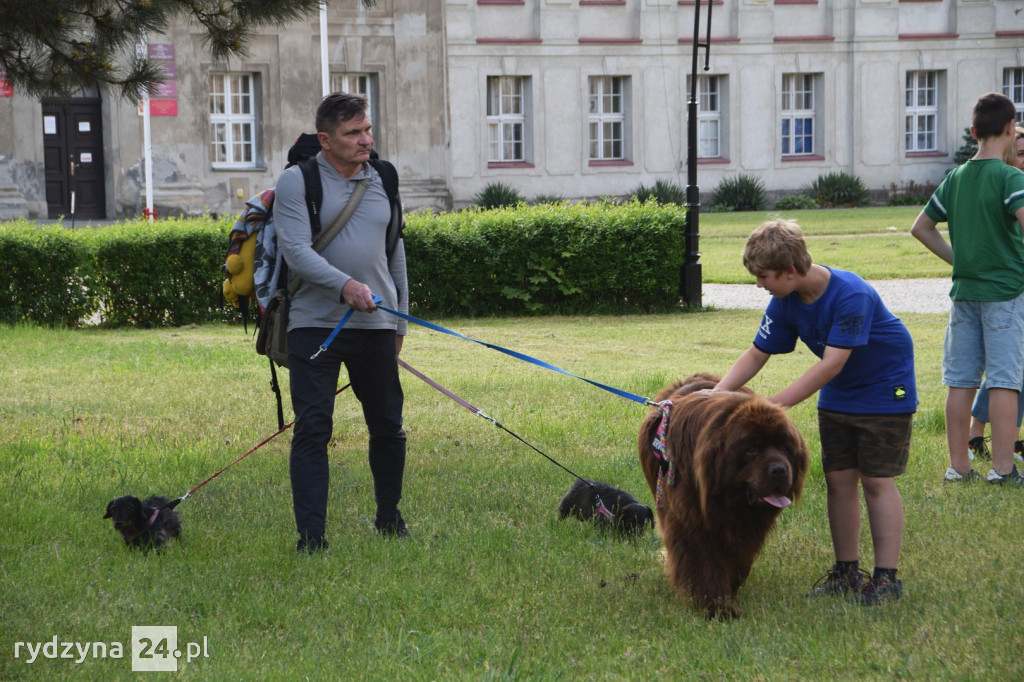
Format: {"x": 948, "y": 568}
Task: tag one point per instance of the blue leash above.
{"x": 520, "y": 356}
{"x": 330, "y": 339}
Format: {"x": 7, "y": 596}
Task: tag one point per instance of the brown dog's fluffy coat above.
{"x": 740, "y": 461}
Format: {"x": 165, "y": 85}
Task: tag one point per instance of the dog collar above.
{"x": 666, "y": 467}
{"x": 156, "y": 513}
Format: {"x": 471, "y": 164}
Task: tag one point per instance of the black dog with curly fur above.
{"x": 621, "y": 510}
{"x": 144, "y": 523}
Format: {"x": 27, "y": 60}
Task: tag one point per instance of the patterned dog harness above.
{"x": 666, "y": 467}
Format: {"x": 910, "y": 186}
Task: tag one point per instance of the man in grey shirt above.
{"x": 353, "y": 268}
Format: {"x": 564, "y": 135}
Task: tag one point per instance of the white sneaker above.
{"x": 953, "y": 476}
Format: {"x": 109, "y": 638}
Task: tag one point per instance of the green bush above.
{"x": 838, "y": 189}
{"x": 662, "y": 191}
{"x": 967, "y": 150}
{"x": 554, "y": 259}
{"x": 742, "y": 193}
{"x": 160, "y": 274}
{"x": 601, "y": 257}
{"x": 45, "y": 275}
{"x": 795, "y": 202}
{"x": 541, "y": 199}
{"x": 910, "y": 193}
{"x": 498, "y": 195}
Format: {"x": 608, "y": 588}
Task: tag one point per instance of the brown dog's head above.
{"x": 747, "y": 446}
{"x": 730, "y": 446}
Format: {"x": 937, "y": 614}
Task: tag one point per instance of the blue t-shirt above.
{"x": 878, "y": 377}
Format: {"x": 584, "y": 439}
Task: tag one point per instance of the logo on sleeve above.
{"x": 899, "y": 392}
{"x": 851, "y": 325}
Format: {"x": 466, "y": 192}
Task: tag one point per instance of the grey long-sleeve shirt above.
{"x": 358, "y": 252}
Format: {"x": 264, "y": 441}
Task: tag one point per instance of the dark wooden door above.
{"x": 73, "y": 153}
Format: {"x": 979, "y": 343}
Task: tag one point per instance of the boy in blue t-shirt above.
{"x": 867, "y": 400}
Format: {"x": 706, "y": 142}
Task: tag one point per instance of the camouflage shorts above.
{"x": 877, "y": 445}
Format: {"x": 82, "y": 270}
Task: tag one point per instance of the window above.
{"x": 922, "y": 111}
{"x": 607, "y": 118}
{"x": 233, "y": 120}
{"x": 798, "y": 114}
{"x": 508, "y": 104}
{"x": 358, "y": 84}
{"x": 1013, "y": 87}
{"x": 709, "y": 117}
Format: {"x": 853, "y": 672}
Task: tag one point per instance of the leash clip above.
{"x": 480, "y": 413}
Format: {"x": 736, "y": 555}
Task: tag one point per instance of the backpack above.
{"x": 253, "y": 264}
{"x": 255, "y": 267}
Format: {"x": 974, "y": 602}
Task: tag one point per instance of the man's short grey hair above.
{"x": 337, "y": 108}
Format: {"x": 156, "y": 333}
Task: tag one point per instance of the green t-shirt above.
{"x": 978, "y": 200}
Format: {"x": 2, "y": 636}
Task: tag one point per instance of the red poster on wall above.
{"x": 6, "y": 89}
{"x": 163, "y": 107}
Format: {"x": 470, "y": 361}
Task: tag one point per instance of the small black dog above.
{"x": 627, "y": 513}
{"x": 145, "y": 523}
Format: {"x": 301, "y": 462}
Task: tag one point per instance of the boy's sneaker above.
{"x": 837, "y": 582}
{"x": 976, "y": 447}
{"x": 877, "y": 591}
{"x": 954, "y": 476}
{"x": 1013, "y": 478}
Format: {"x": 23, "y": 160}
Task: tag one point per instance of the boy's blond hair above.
{"x": 1010, "y": 156}
{"x": 776, "y": 245}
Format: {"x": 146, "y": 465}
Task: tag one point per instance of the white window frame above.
{"x": 364, "y": 84}
{"x": 608, "y": 103}
{"x": 234, "y": 122}
{"x": 798, "y": 106}
{"x": 1013, "y": 87}
{"x": 709, "y": 116}
{"x": 921, "y": 116}
{"x": 508, "y": 112}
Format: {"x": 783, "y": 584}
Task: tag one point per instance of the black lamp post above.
{"x": 690, "y": 275}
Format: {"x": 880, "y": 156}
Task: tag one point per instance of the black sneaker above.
{"x": 1013, "y": 478}
{"x": 976, "y": 446}
{"x": 393, "y": 527}
{"x": 877, "y": 591}
{"x": 311, "y": 543}
{"x": 838, "y": 582}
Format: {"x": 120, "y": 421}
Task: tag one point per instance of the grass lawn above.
{"x": 491, "y": 585}
{"x": 873, "y": 242}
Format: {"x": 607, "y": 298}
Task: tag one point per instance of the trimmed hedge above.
{"x": 524, "y": 260}
{"x": 132, "y": 274}
{"x": 546, "y": 259}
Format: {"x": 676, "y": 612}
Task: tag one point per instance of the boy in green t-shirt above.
{"x": 983, "y": 203}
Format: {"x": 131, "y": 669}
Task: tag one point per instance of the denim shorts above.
{"x": 979, "y": 410}
{"x": 985, "y": 338}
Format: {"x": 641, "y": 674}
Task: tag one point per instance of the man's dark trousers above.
{"x": 370, "y": 358}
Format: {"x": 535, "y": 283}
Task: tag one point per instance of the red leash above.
{"x": 174, "y": 503}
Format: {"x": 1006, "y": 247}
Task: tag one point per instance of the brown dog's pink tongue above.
{"x": 780, "y": 501}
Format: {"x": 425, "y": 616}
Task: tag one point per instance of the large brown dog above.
{"x": 739, "y": 460}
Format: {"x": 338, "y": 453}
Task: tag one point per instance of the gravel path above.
{"x": 899, "y": 295}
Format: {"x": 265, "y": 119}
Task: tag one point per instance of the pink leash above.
{"x": 598, "y": 506}
{"x": 174, "y": 503}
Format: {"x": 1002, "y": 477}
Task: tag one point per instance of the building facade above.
{"x": 569, "y": 98}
